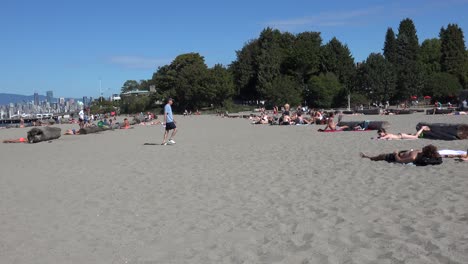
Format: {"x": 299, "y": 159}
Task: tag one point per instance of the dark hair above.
{"x": 428, "y": 156}
{"x": 381, "y": 130}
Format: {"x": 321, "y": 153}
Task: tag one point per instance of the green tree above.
{"x": 165, "y": 80}
{"x": 303, "y": 57}
{"x": 442, "y": 85}
{"x": 430, "y": 56}
{"x": 144, "y": 85}
{"x": 244, "y": 70}
{"x": 390, "y": 46}
{"x": 323, "y": 89}
{"x": 336, "y": 58}
{"x": 135, "y": 104}
{"x": 268, "y": 60}
{"x": 453, "y": 52}
{"x": 377, "y": 78}
{"x": 220, "y": 81}
{"x": 129, "y": 86}
{"x": 185, "y": 79}
{"x": 190, "y": 86}
{"x": 284, "y": 89}
{"x": 410, "y": 72}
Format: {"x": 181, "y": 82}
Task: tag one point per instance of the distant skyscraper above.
{"x": 49, "y": 96}
{"x": 36, "y": 99}
{"x": 62, "y": 101}
{"x": 85, "y": 101}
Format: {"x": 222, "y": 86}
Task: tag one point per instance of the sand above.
{"x": 231, "y": 192}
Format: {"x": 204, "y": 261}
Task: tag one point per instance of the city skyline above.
{"x": 83, "y": 48}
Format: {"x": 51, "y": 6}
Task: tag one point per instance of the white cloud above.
{"x": 329, "y": 19}
{"x": 137, "y": 62}
{"x": 392, "y": 9}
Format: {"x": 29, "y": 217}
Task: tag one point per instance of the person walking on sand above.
{"x": 170, "y": 123}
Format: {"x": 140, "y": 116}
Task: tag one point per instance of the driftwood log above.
{"x": 444, "y": 131}
{"x": 439, "y": 111}
{"x": 371, "y": 125}
{"x": 375, "y": 111}
{"x": 93, "y": 129}
{"x": 400, "y": 111}
{"x": 39, "y": 134}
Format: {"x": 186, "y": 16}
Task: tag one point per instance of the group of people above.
{"x": 169, "y": 123}
{"x": 289, "y": 117}
{"x": 428, "y": 155}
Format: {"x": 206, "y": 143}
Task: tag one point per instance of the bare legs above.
{"x": 416, "y": 136}
{"x": 166, "y": 133}
{"x": 375, "y": 158}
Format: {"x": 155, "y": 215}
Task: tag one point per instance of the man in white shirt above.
{"x": 81, "y": 119}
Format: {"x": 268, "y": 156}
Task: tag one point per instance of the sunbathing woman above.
{"x": 331, "y": 125}
{"x": 19, "y": 140}
{"x": 427, "y": 156}
{"x": 384, "y": 135}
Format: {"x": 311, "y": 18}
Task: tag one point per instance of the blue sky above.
{"x": 68, "y": 46}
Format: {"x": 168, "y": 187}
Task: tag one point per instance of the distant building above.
{"x": 62, "y": 101}
{"x": 36, "y": 99}
{"x": 135, "y": 93}
{"x": 115, "y": 97}
{"x": 85, "y": 101}
{"x": 49, "y": 96}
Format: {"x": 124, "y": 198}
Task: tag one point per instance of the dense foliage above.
{"x": 280, "y": 67}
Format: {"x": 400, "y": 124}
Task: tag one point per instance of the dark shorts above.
{"x": 390, "y": 157}
{"x": 170, "y": 126}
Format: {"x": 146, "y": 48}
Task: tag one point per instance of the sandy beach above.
{"x": 231, "y": 192}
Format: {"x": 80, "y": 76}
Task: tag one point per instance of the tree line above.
{"x": 279, "y": 67}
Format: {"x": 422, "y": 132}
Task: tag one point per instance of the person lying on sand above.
{"x": 126, "y": 124}
{"x": 458, "y": 113}
{"x": 299, "y": 119}
{"x": 457, "y": 154}
{"x": 331, "y": 125}
{"x": 19, "y": 140}
{"x": 384, "y": 135}
{"x": 72, "y": 132}
{"x": 263, "y": 119}
{"x": 427, "y": 156}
